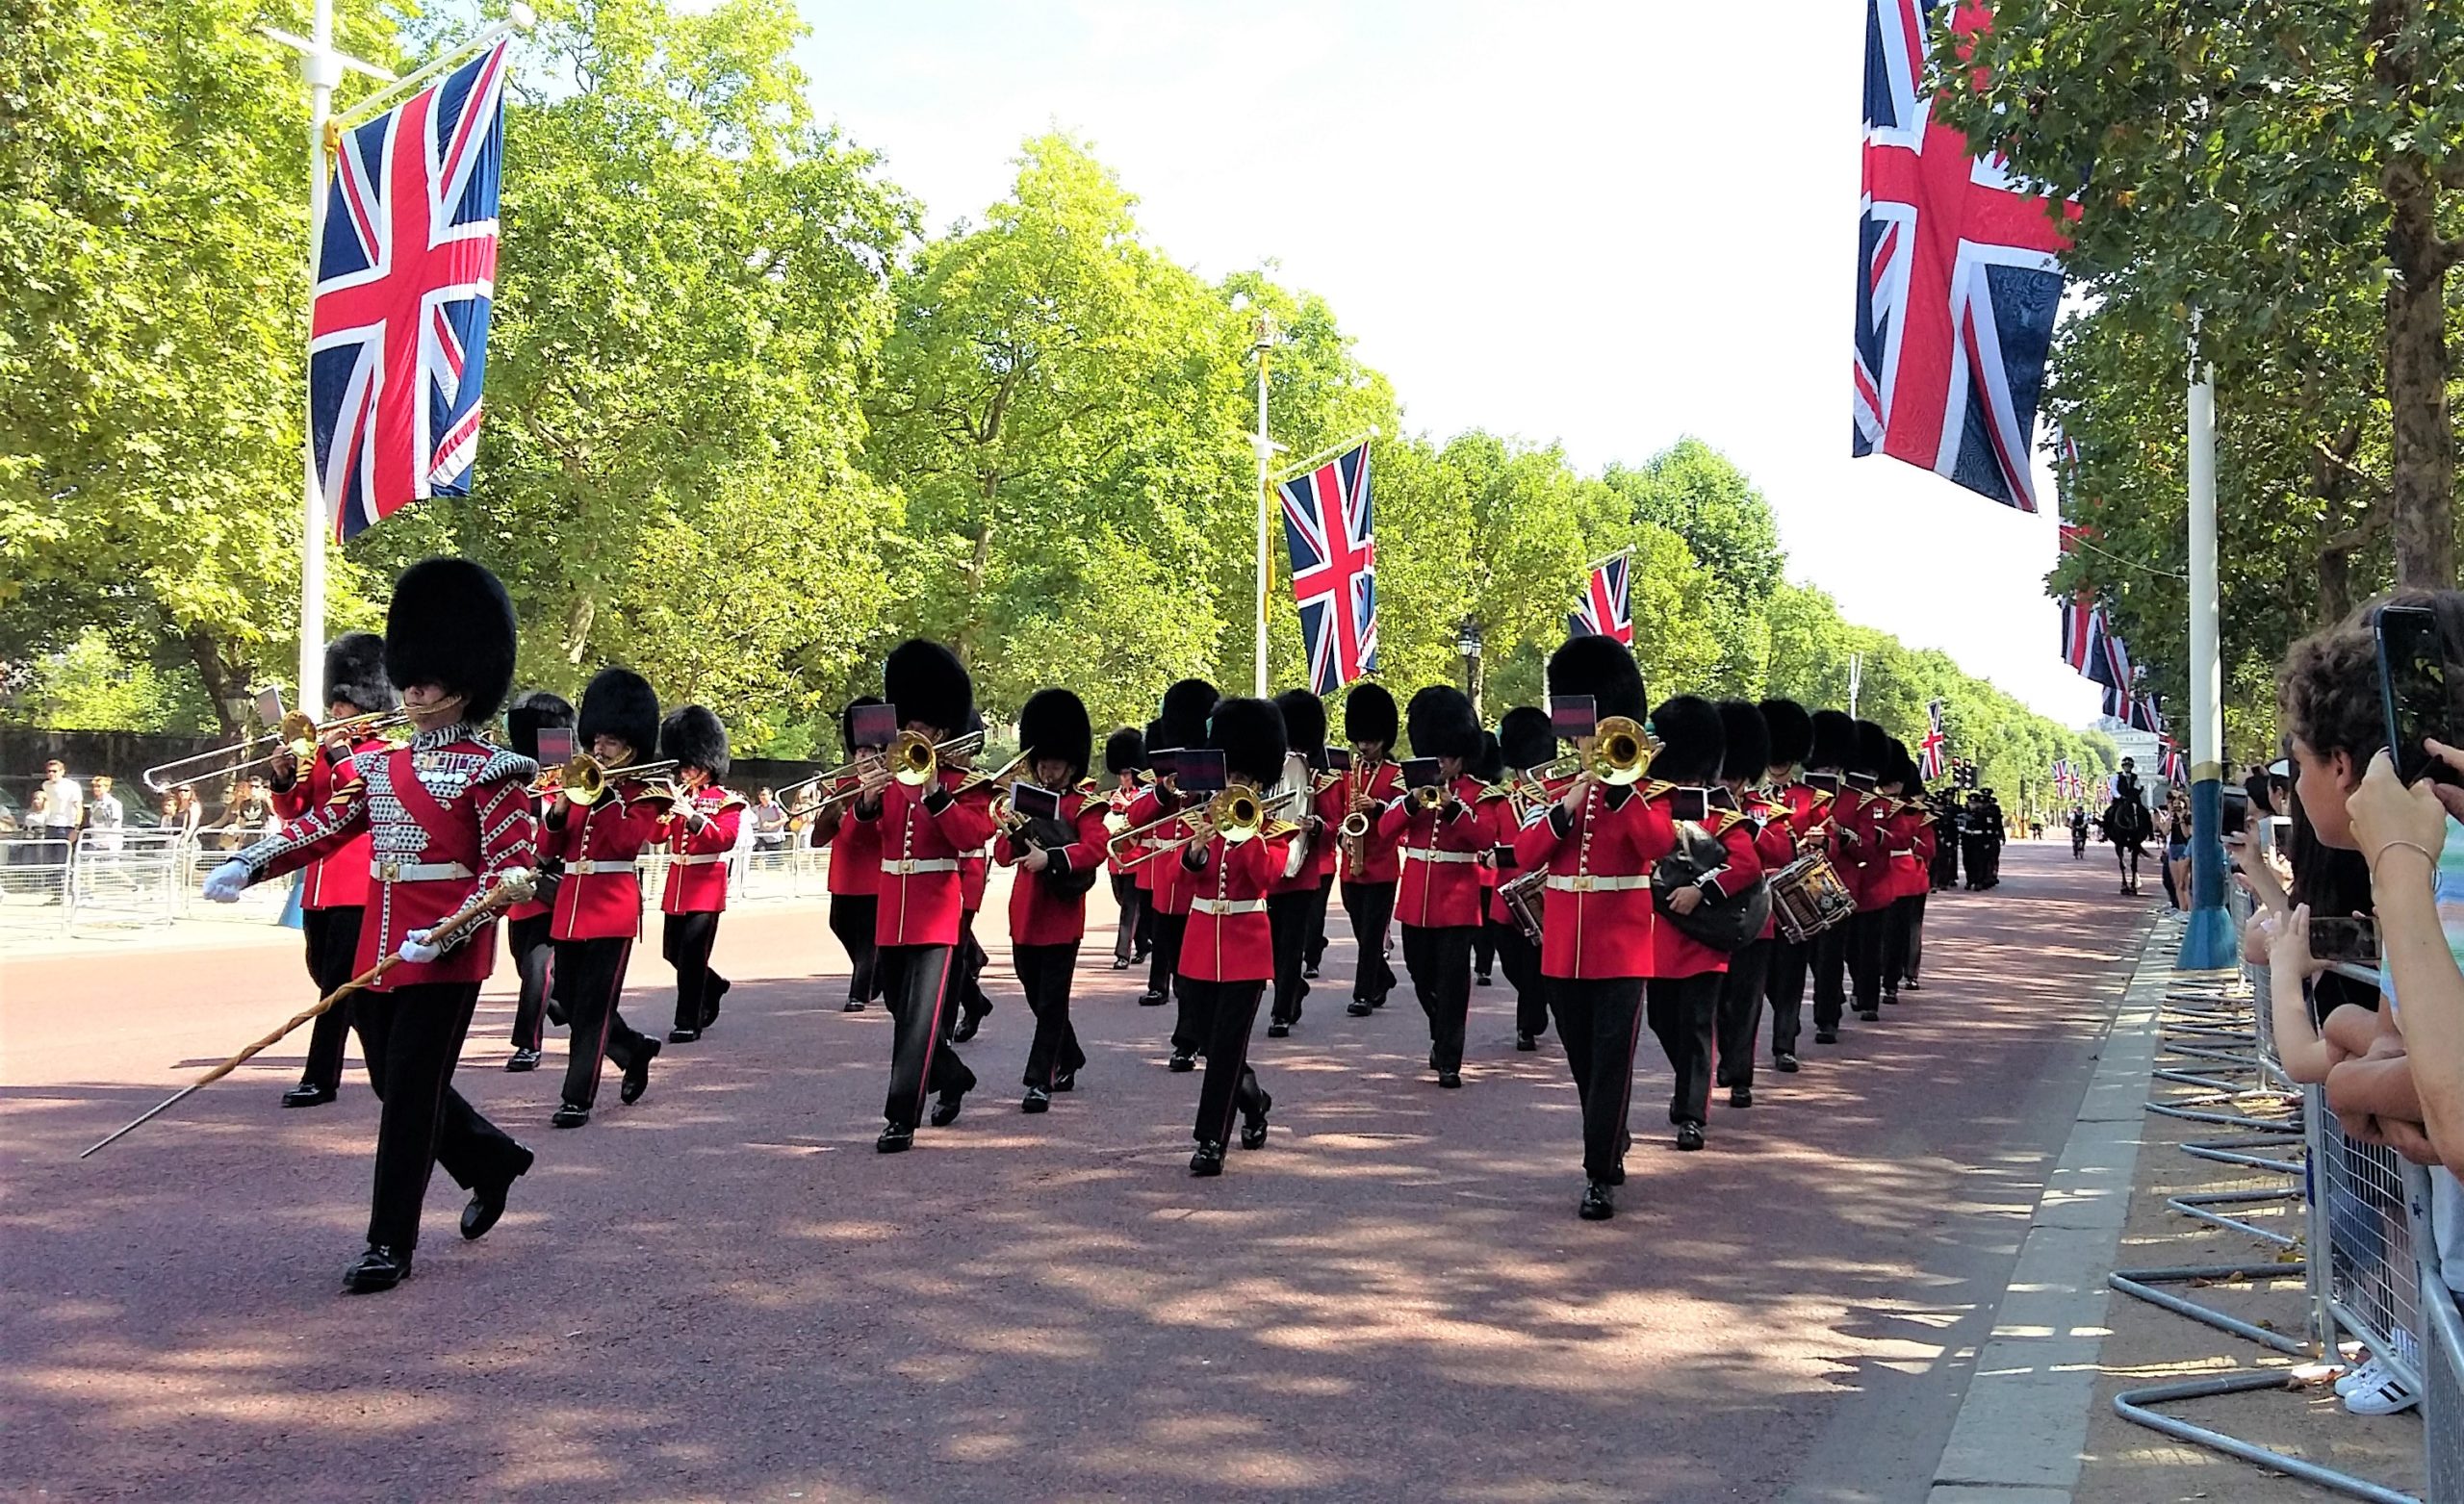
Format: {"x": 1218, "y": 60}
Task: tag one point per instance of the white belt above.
{"x": 702, "y": 859}
{"x": 1229, "y": 905}
{"x": 417, "y": 871}
{"x": 1416, "y": 854}
{"x": 1589, "y": 883}
{"x": 980, "y": 854}
{"x": 909, "y": 866}
{"x": 590, "y": 866}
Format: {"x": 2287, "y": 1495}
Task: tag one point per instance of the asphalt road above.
{"x": 721, "y": 1292}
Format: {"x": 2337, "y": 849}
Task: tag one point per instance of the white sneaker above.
{"x": 2387, "y": 1397}
{"x": 2366, "y": 1376}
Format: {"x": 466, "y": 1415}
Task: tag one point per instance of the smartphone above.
{"x": 2414, "y": 690}
{"x": 555, "y": 744}
{"x": 269, "y": 705}
{"x": 1202, "y": 769}
{"x": 2352, "y": 940}
{"x": 1419, "y": 772}
{"x": 1689, "y": 803}
{"x": 1035, "y": 802}
{"x": 1339, "y": 760}
{"x": 1574, "y": 717}
{"x": 1164, "y": 761}
{"x": 873, "y": 726}
{"x": 2236, "y": 813}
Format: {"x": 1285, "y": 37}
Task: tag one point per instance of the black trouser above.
{"x": 1520, "y": 960}
{"x": 1164, "y": 956}
{"x": 1224, "y": 1012}
{"x": 1683, "y": 1012}
{"x": 1903, "y": 945}
{"x": 1741, "y": 1012}
{"x": 1866, "y": 956}
{"x": 1597, "y": 1021}
{"x": 1288, "y": 917}
{"x": 1318, "y": 921}
{"x": 916, "y": 982}
{"x": 1783, "y": 983}
{"x": 1044, "y": 974}
{"x": 2078, "y": 845}
{"x": 1484, "y": 945}
{"x": 411, "y": 1037}
{"x": 333, "y": 957}
{"x": 1371, "y": 905}
{"x": 594, "y": 980}
{"x": 966, "y": 963}
{"x": 851, "y": 916}
{"x": 534, "y": 962}
{"x": 1439, "y": 959}
{"x": 1130, "y": 935}
{"x": 1946, "y": 864}
{"x": 687, "y": 942}
{"x": 1829, "y": 965}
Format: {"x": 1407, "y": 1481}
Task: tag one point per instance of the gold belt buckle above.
{"x": 390, "y": 872}
{"x": 584, "y": 868}
{"x": 1582, "y": 883}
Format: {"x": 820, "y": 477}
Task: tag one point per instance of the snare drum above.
{"x": 1520, "y": 895}
{"x": 1808, "y": 898}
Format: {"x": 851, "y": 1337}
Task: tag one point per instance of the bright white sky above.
{"x": 1609, "y": 226}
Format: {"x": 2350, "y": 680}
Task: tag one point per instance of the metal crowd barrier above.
{"x": 34, "y": 886}
{"x": 130, "y": 880}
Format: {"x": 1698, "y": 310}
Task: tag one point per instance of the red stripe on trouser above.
{"x": 1633, "y": 1039}
{"x": 933, "y": 1035}
{"x": 615, "y": 990}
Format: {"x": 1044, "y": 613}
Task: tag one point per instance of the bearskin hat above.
{"x": 1833, "y": 742}
{"x": 1125, "y": 751}
{"x": 1490, "y": 766}
{"x": 1873, "y": 749}
{"x": 1747, "y": 752}
{"x": 693, "y": 737}
{"x": 1304, "y": 725}
{"x": 1053, "y": 723}
{"x": 1601, "y": 668}
{"x": 450, "y": 623}
{"x": 1792, "y": 732}
{"x": 1525, "y": 737}
{"x": 1691, "y": 742}
{"x": 1369, "y": 715}
{"x": 355, "y": 672}
{"x": 1186, "y": 706}
{"x": 847, "y": 722}
{"x": 620, "y": 704}
{"x": 1908, "y": 775}
{"x": 928, "y": 685}
{"x": 1443, "y": 723}
{"x": 1249, "y": 732}
{"x": 536, "y": 711}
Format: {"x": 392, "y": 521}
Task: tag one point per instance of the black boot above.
{"x": 1209, "y": 1159}
{"x": 637, "y": 1076}
{"x": 1597, "y": 1205}
{"x": 379, "y": 1268}
{"x": 1253, "y": 1124}
{"x": 487, "y": 1199}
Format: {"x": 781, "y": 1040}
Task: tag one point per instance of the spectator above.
{"x": 2178, "y": 848}
{"x": 2415, "y": 846}
{"x": 769, "y": 822}
{"x": 189, "y": 812}
{"x": 60, "y": 807}
{"x": 105, "y": 818}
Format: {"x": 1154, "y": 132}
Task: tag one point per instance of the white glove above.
{"x": 225, "y": 883}
{"x": 417, "y": 951}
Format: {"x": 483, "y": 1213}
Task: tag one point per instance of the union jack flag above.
{"x": 2065, "y": 782}
{"x": 1608, "y": 609}
{"x": 405, "y": 274}
{"x": 2169, "y": 760}
{"x": 1334, "y": 567}
{"x": 1958, "y": 278}
{"x": 1933, "y": 748}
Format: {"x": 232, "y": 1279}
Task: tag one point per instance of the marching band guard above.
{"x": 1438, "y": 840}
{"x": 1524, "y": 742}
{"x": 1743, "y": 766}
{"x": 333, "y": 890}
{"x": 1295, "y": 904}
{"x": 1908, "y": 835}
{"x": 1683, "y": 996}
{"x": 528, "y": 926}
{"x": 1371, "y": 870}
{"x": 1790, "y": 732}
{"x": 1186, "y": 706}
{"x": 1124, "y": 758}
{"x": 1833, "y": 747}
{"x": 599, "y": 902}
{"x": 924, "y": 823}
{"x": 1226, "y": 958}
{"x": 1868, "y": 875}
{"x": 447, "y": 816}
{"x": 968, "y": 1004}
{"x": 855, "y": 867}
{"x": 1058, "y": 857}
{"x": 1488, "y": 772}
{"x": 701, "y": 831}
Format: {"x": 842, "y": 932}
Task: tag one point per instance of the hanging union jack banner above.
{"x": 1334, "y": 567}
{"x": 1607, "y": 607}
{"x": 1957, "y": 278}
{"x": 406, "y": 271}
{"x": 1933, "y": 747}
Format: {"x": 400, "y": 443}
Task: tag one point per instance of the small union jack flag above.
{"x": 406, "y": 271}
{"x": 1957, "y": 278}
{"x": 2168, "y": 759}
{"x": 1334, "y": 567}
{"x": 1933, "y": 748}
{"x": 1608, "y": 609}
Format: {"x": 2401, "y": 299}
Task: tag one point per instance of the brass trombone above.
{"x": 1620, "y": 748}
{"x": 583, "y": 778}
{"x": 915, "y": 759}
{"x": 299, "y": 733}
{"x": 1238, "y": 814}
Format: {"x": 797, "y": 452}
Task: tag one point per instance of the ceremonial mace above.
{"x": 514, "y": 888}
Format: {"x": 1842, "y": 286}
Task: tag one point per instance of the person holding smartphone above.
{"x": 1438, "y": 846}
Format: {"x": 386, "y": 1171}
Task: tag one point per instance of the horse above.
{"x": 2127, "y": 825}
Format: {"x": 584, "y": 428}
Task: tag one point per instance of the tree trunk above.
{"x": 226, "y": 684}
{"x": 2423, "y": 452}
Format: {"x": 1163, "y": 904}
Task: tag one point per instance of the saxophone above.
{"x": 1355, "y": 826}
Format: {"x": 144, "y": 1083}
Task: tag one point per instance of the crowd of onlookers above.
{"x": 61, "y": 814}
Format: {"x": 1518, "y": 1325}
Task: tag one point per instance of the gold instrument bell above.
{"x": 1621, "y": 748}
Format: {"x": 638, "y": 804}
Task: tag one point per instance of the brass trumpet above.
{"x": 299, "y": 733}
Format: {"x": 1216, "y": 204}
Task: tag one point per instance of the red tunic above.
{"x": 1775, "y": 841}
{"x": 536, "y": 908}
{"x": 601, "y": 897}
{"x": 1504, "y": 826}
{"x": 1229, "y": 937}
{"x": 921, "y": 845}
{"x": 1305, "y": 878}
{"x": 1117, "y": 801}
{"x": 1908, "y": 837}
{"x": 1379, "y": 861}
{"x": 1329, "y": 805}
{"x": 1856, "y": 848}
{"x": 1439, "y": 856}
{"x": 445, "y": 816}
{"x": 855, "y": 856}
{"x": 696, "y": 870}
{"x": 1162, "y": 875}
{"x": 1038, "y": 916}
{"x": 1601, "y": 920}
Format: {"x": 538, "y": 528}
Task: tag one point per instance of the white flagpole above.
{"x": 324, "y": 69}
{"x": 1265, "y": 447}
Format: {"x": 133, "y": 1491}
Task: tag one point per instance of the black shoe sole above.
{"x": 1788, "y": 1066}
{"x": 516, "y": 1065}
{"x": 1278, "y": 1031}
{"x": 1180, "y": 1063}
{"x": 850, "y": 1006}
{"x": 682, "y": 1036}
{"x": 560, "y": 1120}
{"x": 899, "y": 1145}
{"x": 1035, "y": 1104}
{"x": 1826, "y": 1038}
{"x": 317, "y": 1101}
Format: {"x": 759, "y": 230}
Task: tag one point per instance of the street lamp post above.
{"x": 1467, "y": 642}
